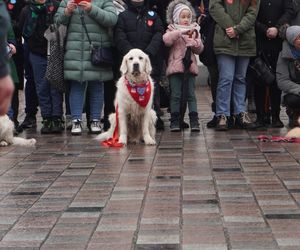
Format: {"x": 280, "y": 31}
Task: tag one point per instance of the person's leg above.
{"x": 76, "y": 99}
{"x": 275, "y": 98}
{"x": 57, "y": 110}
{"x": 175, "y": 86}
{"x": 31, "y": 99}
{"x": 15, "y": 107}
{"x": 39, "y": 65}
{"x": 226, "y": 67}
{"x": 259, "y": 97}
{"x": 96, "y": 97}
{"x": 109, "y": 106}
{"x": 214, "y": 77}
{"x": 239, "y": 93}
{"x": 192, "y": 103}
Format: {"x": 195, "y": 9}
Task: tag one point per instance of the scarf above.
{"x": 36, "y": 11}
{"x": 140, "y": 92}
{"x": 295, "y": 52}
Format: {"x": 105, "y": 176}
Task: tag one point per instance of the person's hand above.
{"x": 231, "y": 32}
{"x": 13, "y": 48}
{"x": 201, "y": 18}
{"x": 71, "y": 6}
{"x": 6, "y": 92}
{"x": 272, "y": 32}
{"x": 185, "y": 32}
{"x": 86, "y": 6}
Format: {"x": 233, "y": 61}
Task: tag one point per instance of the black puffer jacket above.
{"x": 142, "y": 29}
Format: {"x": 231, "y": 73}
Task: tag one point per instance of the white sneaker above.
{"x": 95, "y": 127}
{"x": 76, "y": 127}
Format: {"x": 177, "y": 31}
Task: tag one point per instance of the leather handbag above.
{"x": 100, "y": 56}
{"x": 262, "y": 71}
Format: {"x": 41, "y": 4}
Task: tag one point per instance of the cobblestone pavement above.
{"x": 209, "y": 190}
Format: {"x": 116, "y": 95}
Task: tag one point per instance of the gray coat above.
{"x": 77, "y": 63}
{"x": 284, "y": 81}
{"x": 4, "y": 21}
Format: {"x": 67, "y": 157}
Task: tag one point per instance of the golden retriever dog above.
{"x": 135, "y": 117}
{"x": 7, "y": 134}
{"x": 295, "y": 132}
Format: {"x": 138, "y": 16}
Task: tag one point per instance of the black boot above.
{"x": 175, "y": 122}
{"x": 47, "y": 126}
{"x": 276, "y": 122}
{"x": 194, "y": 122}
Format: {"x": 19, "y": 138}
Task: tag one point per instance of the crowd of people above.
{"x": 226, "y": 35}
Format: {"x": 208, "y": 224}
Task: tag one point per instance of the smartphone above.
{"x": 78, "y": 1}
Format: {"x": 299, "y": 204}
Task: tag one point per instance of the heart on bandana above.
{"x": 141, "y": 90}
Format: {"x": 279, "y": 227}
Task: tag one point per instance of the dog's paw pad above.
{"x": 149, "y": 141}
{"x": 3, "y": 144}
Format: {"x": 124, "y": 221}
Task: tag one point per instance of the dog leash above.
{"x": 264, "y": 138}
{"x": 114, "y": 141}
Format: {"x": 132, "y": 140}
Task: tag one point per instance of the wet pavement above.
{"x": 209, "y": 190}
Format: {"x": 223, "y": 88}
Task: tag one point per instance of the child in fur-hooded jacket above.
{"x": 182, "y": 33}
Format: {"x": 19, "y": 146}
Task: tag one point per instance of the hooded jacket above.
{"x": 178, "y": 42}
{"x": 142, "y": 29}
{"x": 241, "y": 15}
{"x": 286, "y": 64}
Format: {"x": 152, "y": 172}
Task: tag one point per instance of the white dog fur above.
{"x": 295, "y": 132}
{"x": 7, "y": 134}
{"x": 136, "y": 123}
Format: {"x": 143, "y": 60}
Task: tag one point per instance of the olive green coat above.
{"x": 240, "y": 14}
{"x": 13, "y": 70}
{"x": 77, "y": 64}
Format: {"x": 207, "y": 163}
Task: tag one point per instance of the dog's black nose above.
{"x": 135, "y": 66}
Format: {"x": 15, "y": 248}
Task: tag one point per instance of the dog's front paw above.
{"x": 3, "y": 144}
{"x": 31, "y": 142}
{"x": 123, "y": 139}
{"x": 149, "y": 140}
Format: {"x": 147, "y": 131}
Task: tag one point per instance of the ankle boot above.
{"x": 276, "y": 122}
{"x": 175, "y": 122}
{"x": 194, "y": 122}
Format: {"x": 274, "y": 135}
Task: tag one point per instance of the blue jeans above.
{"x": 77, "y": 98}
{"x": 50, "y": 99}
{"x": 31, "y": 99}
{"x": 232, "y": 84}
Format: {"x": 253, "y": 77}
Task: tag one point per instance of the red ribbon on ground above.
{"x": 114, "y": 141}
{"x": 265, "y": 138}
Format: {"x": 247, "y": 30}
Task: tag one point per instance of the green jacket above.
{"x": 240, "y": 14}
{"x": 77, "y": 63}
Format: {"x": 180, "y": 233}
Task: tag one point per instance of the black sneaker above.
{"x": 185, "y": 125}
{"x": 106, "y": 124}
{"x": 212, "y": 123}
{"x": 160, "y": 126}
{"x": 222, "y": 124}
{"x": 29, "y": 122}
{"x": 47, "y": 126}
{"x": 175, "y": 123}
{"x": 243, "y": 121}
{"x": 194, "y": 121}
{"x": 57, "y": 125}
{"x": 276, "y": 122}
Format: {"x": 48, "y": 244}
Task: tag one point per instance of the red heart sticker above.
{"x": 51, "y": 8}
{"x": 10, "y": 6}
{"x": 150, "y": 22}
{"x": 229, "y": 1}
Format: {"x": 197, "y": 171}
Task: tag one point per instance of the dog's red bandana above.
{"x": 140, "y": 92}
{"x": 265, "y": 138}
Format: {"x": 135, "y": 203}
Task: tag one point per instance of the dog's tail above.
{"x": 110, "y": 132}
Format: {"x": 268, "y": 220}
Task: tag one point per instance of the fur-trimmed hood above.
{"x": 170, "y": 10}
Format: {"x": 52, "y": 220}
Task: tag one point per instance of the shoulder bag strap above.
{"x": 84, "y": 26}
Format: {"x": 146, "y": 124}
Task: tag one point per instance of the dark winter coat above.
{"x": 141, "y": 29}
{"x": 4, "y": 21}
{"x": 273, "y": 13}
{"x": 240, "y": 15}
{"x": 77, "y": 61}
{"x": 37, "y": 43}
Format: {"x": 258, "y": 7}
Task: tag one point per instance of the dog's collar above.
{"x": 133, "y": 83}
{"x": 140, "y": 92}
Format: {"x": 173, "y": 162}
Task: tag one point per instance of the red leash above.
{"x": 265, "y": 138}
{"x": 114, "y": 141}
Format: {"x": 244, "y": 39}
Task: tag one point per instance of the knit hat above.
{"x": 177, "y": 10}
{"x": 292, "y": 33}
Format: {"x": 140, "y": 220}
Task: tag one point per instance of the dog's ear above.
{"x": 124, "y": 68}
{"x": 148, "y": 67}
